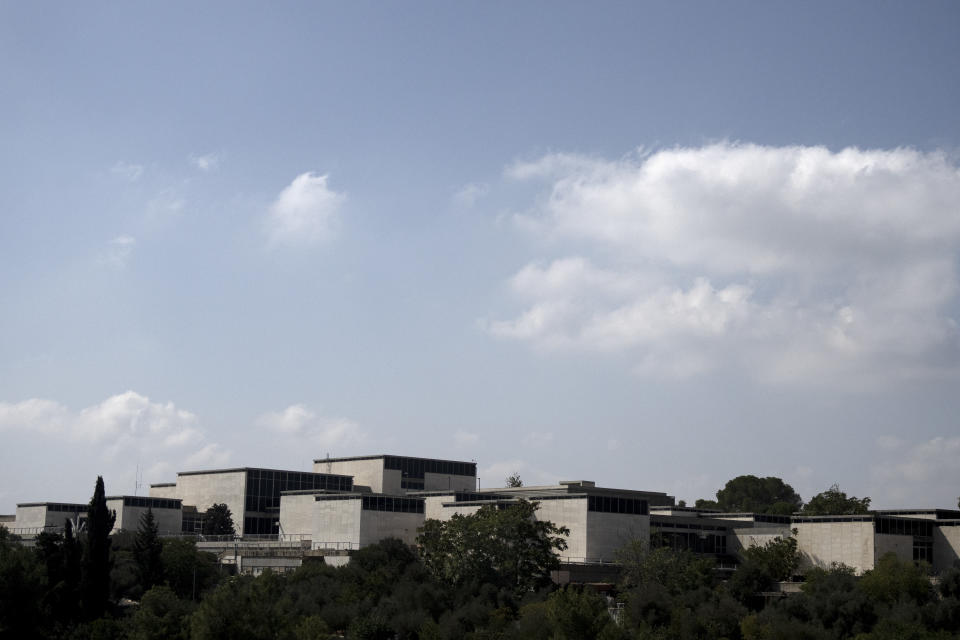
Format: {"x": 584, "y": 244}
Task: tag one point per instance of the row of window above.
{"x": 655, "y": 522}
{"x": 695, "y": 542}
{"x": 417, "y": 467}
{"x": 923, "y": 551}
{"x": 765, "y": 517}
{"x": 191, "y": 522}
{"x": 388, "y": 503}
{"x": 899, "y": 526}
{"x": 613, "y": 504}
{"x": 67, "y": 508}
{"x": 260, "y": 526}
{"x": 153, "y": 503}
{"x": 473, "y": 496}
{"x": 264, "y": 486}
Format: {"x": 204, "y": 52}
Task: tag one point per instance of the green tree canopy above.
{"x": 675, "y": 570}
{"x": 834, "y": 502}
{"x": 756, "y": 495}
{"x": 218, "y": 521}
{"x": 148, "y": 551}
{"x": 508, "y": 548}
{"x": 514, "y": 480}
{"x": 95, "y": 566}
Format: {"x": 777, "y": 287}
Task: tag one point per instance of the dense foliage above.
{"x": 508, "y": 548}
{"x": 218, "y": 521}
{"x": 462, "y": 584}
{"x": 756, "y": 495}
{"x": 834, "y": 502}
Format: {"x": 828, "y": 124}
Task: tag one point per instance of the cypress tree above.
{"x": 147, "y": 550}
{"x": 95, "y": 566}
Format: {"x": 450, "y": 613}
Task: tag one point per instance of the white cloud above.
{"x": 889, "y": 443}
{"x": 794, "y": 263}
{"x": 114, "y": 434}
{"x": 118, "y": 252}
{"x": 463, "y": 439}
{"x": 926, "y": 474}
{"x": 127, "y": 171}
{"x": 468, "y": 195}
{"x": 206, "y": 162}
{"x": 303, "y": 425}
{"x": 306, "y": 212}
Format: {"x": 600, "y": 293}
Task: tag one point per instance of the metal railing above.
{"x": 334, "y": 546}
{"x": 583, "y": 560}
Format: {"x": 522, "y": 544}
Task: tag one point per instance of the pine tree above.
{"x": 147, "y": 550}
{"x": 72, "y": 556}
{"x": 95, "y": 566}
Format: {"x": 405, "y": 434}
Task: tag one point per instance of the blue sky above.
{"x": 656, "y": 245}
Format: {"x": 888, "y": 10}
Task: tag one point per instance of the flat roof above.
{"x": 941, "y": 514}
{"x": 576, "y": 488}
{"x": 238, "y": 469}
{"x": 380, "y": 456}
{"x": 45, "y": 504}
{"x": 146, "y": 497}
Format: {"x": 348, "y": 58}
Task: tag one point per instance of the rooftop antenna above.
{"x": 138, "y": 481}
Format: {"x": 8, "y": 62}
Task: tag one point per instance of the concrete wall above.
{"x": 739, "y": 539}
{"x": 443, "y": 482}
{"x": 464, "y": 509}
{"x": 609, "y": 532}
{"x": 206, "y": 489}
{"x": 391, "y": 482}
{"x": 378, "y": 525}
{"x": 946, "y": 547}
{"x": 365, "y": 472}
{"x": 887, "y": 543}
{"x": 128, "y": 518}
{"x": 570, "y": 513}
{"x": 433, "y": 506}
{"x": 336, "y": 521}
{"x": 30, "y": 517}
{"x": 165, "y": 491}
{"x": 822, "y": 543}
{"x": 296, "y": 514}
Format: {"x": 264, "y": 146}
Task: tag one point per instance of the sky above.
{"x": 652, "y": 245}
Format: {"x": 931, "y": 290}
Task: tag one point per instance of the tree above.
{"x": 508, "y": 548}
{"x": 95, "y": 567}
{"x": 675, "y": 570}
{"x": 147, "y": 550}
{"x": 893, "y": 580}
{"x": 22, "y": 585}
{"x": 775, "y": 561}
{"x": 834, "y": 502}
{"x": 218, "y": 521}
{"x": 187, "y": 571}
{"x": 161, "y": 616}
{"x": 514, "y": 480}
{"x": 757, "y": 495}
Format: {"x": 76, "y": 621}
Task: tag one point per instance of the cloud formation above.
{"x": 468, "y": 195}
{"x": 113, "y": 435}
{"x": 305, "y": 426}
{"x": 206, "y": 162}
{"x": 794, "y": 263}
{"x": 921, "y": 474}
{"x": 128, "y": 171}
{"x": 306, "y": 212}
{"x": 118, "y": 252}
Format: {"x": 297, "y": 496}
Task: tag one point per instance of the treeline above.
{"x": 484, "y": 576}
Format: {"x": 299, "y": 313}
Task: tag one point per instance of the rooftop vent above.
{"x": 577, "y": 483}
